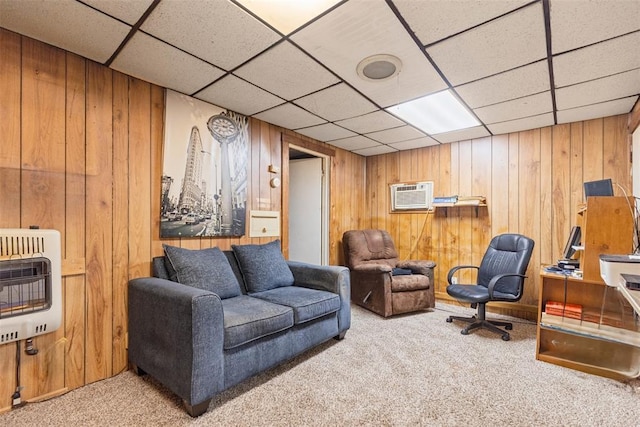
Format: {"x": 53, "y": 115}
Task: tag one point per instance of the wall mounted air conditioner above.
{"x": 418, "y": 195}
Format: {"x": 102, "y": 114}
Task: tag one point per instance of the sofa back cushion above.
{"x": 206, "y": 269}
{"x": 263, "y": 266}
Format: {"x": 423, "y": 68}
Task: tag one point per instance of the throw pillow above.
{"x": 206, "y": 269}
{"x": 263, "y": 266}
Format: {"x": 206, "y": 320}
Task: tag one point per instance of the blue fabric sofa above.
{"x": 210, "y": 319}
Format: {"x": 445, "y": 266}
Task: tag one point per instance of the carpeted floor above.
{"x": 410, "y": 370}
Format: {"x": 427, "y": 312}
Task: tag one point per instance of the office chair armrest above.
{"x": 417, "y": 266}
{"x": 453, "y": 271}
{"x": 499, "y": 277}
{"x": 372, "y": 268}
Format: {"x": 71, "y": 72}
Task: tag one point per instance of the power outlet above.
{"x": 454, "y": 280}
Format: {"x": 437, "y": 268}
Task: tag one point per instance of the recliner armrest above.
{"x": 423, "y": 267}
{"x": 373, "y": 268}
{"x": 176, "y": 334}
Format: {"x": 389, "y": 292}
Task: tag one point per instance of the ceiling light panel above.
{"x": 516, "y": 108}
{"x": 336, "y": 103}
{"x": 435, "y": 20}
{"x": 287, "y": 15}
{"x": 505, "y": 86}
{"x": 378, "y": 120}
{"x": 66, "y": 24}
{"x": 522, "y": 124}
{"x": 437, "y": 113}
{"x": 593, "y": 62}
{"x": 594, "y": 111}
{"x": 596, "y": 91}
{"x": 503, "y": 44}
{"x": 579, "y": 23}
{"x": 128, "y": 11}
{"x": 238, "y": 95}
{"x": 346, "y": 36}
{"x": 462, "y": 135}
{"x": 289, "y": 116}
{"x": 154, "y": 61}
{"x": 286, "y": 71}
{"x": 216, "y": 31}
{"x": 326, "y": 132}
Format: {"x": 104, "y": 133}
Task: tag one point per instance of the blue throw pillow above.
{"x": 263, "y": 266}
{"x": 206, "y": 269}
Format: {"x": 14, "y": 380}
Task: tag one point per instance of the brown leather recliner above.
{"x": 382, "y": 283}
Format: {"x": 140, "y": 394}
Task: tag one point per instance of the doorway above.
{"x": 308, "y": 206}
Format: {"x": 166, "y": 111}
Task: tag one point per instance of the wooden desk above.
{"x": 607, "y": 345}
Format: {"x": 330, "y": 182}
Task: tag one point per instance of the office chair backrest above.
{"x": 507, "y": 253}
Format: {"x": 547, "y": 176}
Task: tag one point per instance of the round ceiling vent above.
{"x": 379, "y": 67}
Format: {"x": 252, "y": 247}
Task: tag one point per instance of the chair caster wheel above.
{"x": 508, "y": 327}
{"x": 464, "y": 332}
{"x": 506, "y": 337}
{"x": 449, "y": 320}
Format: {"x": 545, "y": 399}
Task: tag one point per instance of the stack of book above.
{"x": 471, "y": 201}
{"x": 555, "y": 308}
{"x": 440, "y": 201}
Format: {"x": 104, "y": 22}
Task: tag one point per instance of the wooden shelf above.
{"x": 461, "y": 205}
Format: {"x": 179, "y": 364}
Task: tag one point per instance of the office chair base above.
{"x": 476, "y": 323}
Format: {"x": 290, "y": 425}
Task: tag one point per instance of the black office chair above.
{"x": 500, "y": 277}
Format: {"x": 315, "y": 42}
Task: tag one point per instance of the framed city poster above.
{"x": 204, "y": 172}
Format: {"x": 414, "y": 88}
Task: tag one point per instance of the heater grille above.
{"x": 21, "y": 245}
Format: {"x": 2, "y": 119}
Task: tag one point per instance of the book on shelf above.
{"x": 471, "y": 201}
{"x": 439, "y": 201}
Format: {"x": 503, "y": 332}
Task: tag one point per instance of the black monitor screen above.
{"x": 603, "y": 187}
{"x": 574, "y": 240}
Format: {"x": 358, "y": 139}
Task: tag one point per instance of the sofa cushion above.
{"x": 307, "y": 304}
{"x": 206, "y": 269}
{"x": 247, "y": 319}
{"x": 263, "y": 266}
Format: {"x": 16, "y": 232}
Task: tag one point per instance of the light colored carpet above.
{"x": 410, "y": 370}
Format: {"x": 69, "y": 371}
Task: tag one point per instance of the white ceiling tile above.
{"x": 502, "y": 87}
{"x": 434, "y": 20}
{"x": 600, "y": 90}
{"x": 346, "y": 36}
{"x": 216, "y": 31}
{"x": 287, "y": 15}
{"x": 522, "y": 124}
{"x": 374, "y": 151}
{"x": 402, "y": 133}
{"x": 289, "y": 116}
{"x": 577, "y": 23}
{"x": 354, "y": 143}
{"x": 462, "y": 135}
{"x": 237, "y": 95}
{"x": 522, "y": 107}
{"x": 378, "y": 120}
{"x": 600, "y": 60}
{"x": 336, "y": 103}
{"x": 508, "y": 42}
{"x": 415, "y": 143}
{"x": 326, "y": 132}
{"x": 129, "y": 11}
{"x": 66, "y": 24}
{"x": 287, "y": 71}
{"x": 604, "y": 109}
{"x": 154, "y": 61}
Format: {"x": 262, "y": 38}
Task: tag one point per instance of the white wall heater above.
{"x": 411, "y": 196}
{"x": 30, "y": 283}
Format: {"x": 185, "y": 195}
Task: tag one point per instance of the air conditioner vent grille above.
{"x": 411, "y": 196}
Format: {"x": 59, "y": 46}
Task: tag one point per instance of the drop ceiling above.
{"x": 514, "y": 64}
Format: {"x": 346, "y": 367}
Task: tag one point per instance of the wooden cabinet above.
{"x": 604, "y": 338}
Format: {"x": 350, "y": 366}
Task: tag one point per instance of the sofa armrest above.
{"x": 329, "y": 278}
{"x": 176, "y": 334}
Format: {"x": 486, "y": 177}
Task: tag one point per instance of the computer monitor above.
{"x": 602, "y": 187}
{"x": 574, "y": 240}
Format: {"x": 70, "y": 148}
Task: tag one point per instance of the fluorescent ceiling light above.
{"x": 434, "y": 114}
{"x": 287, "y": 15}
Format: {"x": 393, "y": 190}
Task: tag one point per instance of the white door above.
{"x": 305, "y": 210}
